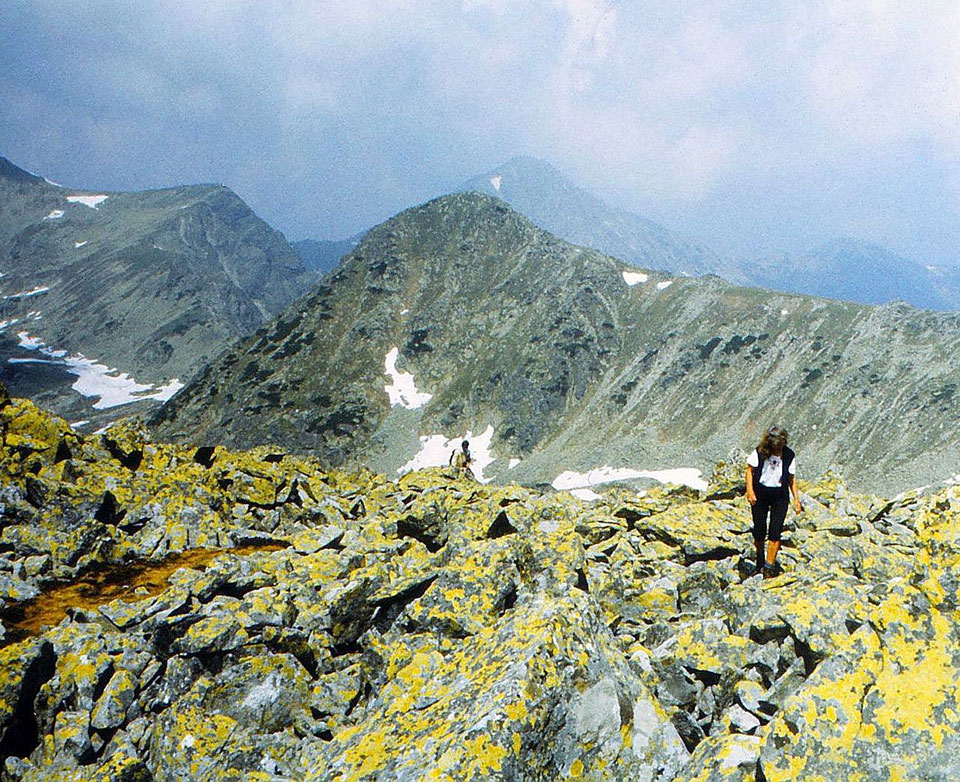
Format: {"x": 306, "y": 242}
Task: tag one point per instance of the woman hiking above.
{"x": 771, "y": 479}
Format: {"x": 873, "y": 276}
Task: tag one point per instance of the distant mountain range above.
{"x": 323, "y": 255}
{"x": 844, "y": 269}
{"x": 852, "y": 270}
{"x": 462, "y": 316}
{"x": 152, "y": 284}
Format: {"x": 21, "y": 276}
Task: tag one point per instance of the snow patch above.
{"x": 685, "y": 476}
{"x": 513, "y": 463}
{"x": 56, "y": 214}
{"x": 78, "y": 245}
{"x": 784, "y": 312}
{"x": 435, "y": 451}
{"x": 28, "y": 342}
{"x": 632, "y": 278}
{"x": 589, "y": 495}
{"x": 402, "y": 390}
{"x": 51, "y": 182}
{"x": 93, "y": 201}
{"x": 78, "y": 424}
{"x": 662, "y": 286}
{"x": 94, "y": 379}
{"x": 495, "y": 181}
{"x": 27, "y": 294}
{"x": 404, "y": 312}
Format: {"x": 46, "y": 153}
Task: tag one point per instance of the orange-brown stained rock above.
{"x": 132, "y": 582}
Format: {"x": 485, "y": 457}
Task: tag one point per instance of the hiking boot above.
{"x": 769, "y": 571}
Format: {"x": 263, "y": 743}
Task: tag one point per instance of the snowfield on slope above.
{"x": 633, "y": 278}
{"x": 27, "y": 294}
{"x": 435, "y": 450}
{"x": 402, "y": 389}
{"x": 93, "y": 201}
{"x": 571, "y": 481}
{"x": 114, "y": 388}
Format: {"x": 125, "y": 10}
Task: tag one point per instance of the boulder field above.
{"x": 342, "y": 626}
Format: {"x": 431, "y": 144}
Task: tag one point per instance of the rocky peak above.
{"x": 574, "y": 361}
{"x": 129, "y": 293}
{"x": 13, "y": 173}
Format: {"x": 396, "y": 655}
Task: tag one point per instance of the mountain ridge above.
{"x": 573, "y": 362}
{"x": 837, "y": 269}
{"x": 153, "y": 283}
{"x": 847, "y": 268}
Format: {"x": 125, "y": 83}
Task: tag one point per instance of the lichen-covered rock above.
{"x": 543, "y": 694}
{"x": 110, "y": 710}
{"x": 433, "y": 628}
{"x": 883, "y": 706}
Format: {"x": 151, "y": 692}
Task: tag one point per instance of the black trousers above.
{"x": 772, "y": 500}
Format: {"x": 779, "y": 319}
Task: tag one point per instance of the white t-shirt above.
{"x": 772, "y": 468}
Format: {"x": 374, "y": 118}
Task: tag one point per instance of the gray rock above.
{"x": 71, "y": 737}
{"x": 110, "y": 710}
{"x": 15, "y": 590}
{"x": 740, "y": 720}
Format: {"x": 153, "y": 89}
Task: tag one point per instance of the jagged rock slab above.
{"x": 435, "y": 628}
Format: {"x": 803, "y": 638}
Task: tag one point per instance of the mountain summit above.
{"x": 149, "y": 284}
{"x": 462, "y": 316}
{"x": 540, "y": 192}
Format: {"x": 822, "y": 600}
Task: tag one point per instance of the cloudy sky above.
{"x": 754, "y": 127}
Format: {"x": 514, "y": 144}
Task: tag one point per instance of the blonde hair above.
{"x": 773, "y": 440}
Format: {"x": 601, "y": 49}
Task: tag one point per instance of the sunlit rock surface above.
{"x": 431, "y": 628}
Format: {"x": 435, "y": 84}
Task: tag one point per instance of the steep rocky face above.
{"x": 577, "y": 361}
{"x": 541, "y": 193}
{"x": 862, "y": 272}
{"x": 151, "y": 283}
{"x": 435, "y": 628}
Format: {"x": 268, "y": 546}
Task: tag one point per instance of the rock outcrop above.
{"x": 435, "y": 628}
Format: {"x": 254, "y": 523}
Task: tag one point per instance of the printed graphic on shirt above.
{"x": 772, "y": 469}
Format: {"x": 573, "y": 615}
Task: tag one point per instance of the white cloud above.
{"x": 713, "y": 112}
{"x": 886, "y": 71}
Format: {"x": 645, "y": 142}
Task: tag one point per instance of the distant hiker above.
{"x": 461, "y": 460}
{"x": 771, "y": 479}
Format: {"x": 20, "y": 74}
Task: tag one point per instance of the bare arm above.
{"x": 751, "y": 494}
{"x": 796, "y": 494}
